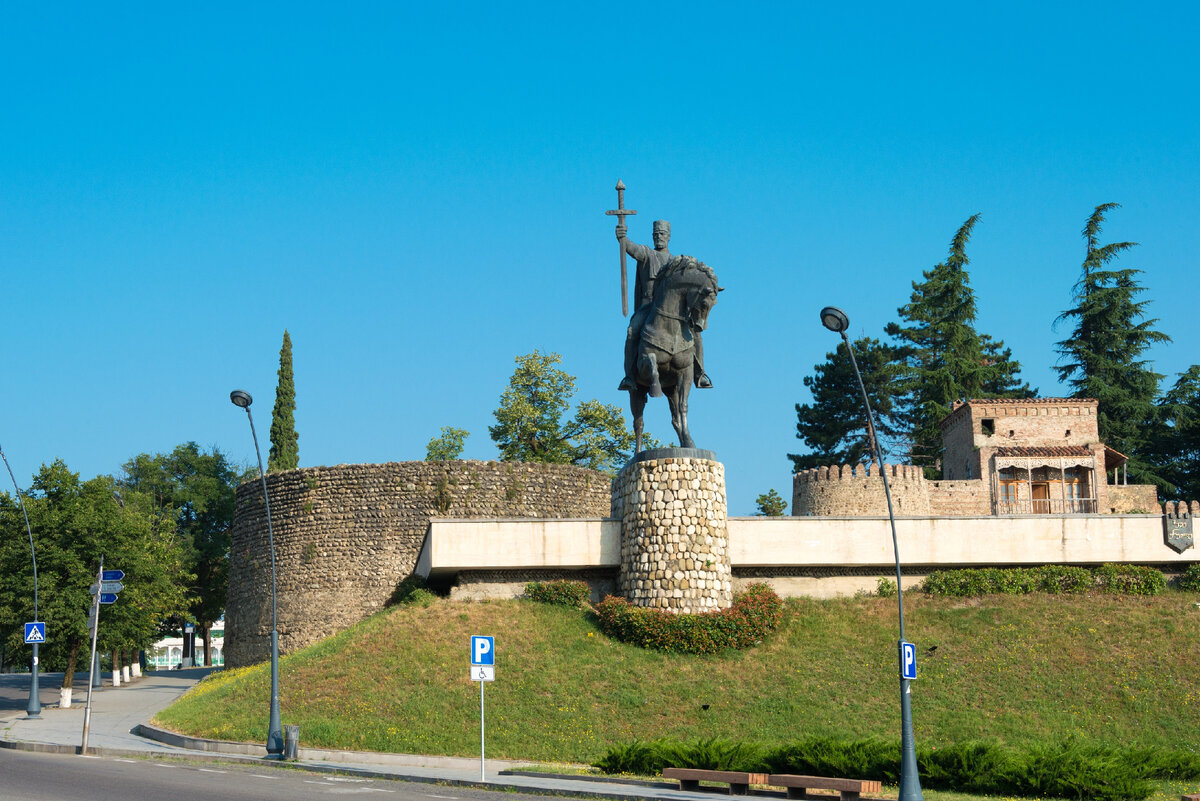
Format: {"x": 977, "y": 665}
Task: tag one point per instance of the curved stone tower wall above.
{"x": 345, "y": 536}
{"x": 857, "y": 491}
{"x": 674, "y": 540}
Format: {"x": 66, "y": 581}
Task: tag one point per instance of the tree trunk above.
{"x": 205, "y": 630}
{"x": 73, "y": 645}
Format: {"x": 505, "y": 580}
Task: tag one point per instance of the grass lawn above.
{"x": 1010, "y": 669}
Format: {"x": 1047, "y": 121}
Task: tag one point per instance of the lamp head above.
{"x": 241, "y": 398}
{"x": 834, "y": 319}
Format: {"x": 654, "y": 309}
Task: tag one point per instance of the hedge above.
{"x": 1053, "y": 579}
{"x": 559, "y": 593}
{"x": 754, "y": 614}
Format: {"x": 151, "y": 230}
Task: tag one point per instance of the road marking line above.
{"x": 130, "y": 761}
{"x": 211, "y": 770}
{"x": 261, "y": 776}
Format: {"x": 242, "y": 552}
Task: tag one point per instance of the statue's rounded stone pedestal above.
{"x": 674, "y": 541}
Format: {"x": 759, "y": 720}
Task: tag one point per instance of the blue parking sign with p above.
{"x": 908, "y": 660}
{"x": 483, "y": 651}
{"x": 35, "y": 632}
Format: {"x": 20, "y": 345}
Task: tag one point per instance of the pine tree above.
{"x": 1175, "y": 442}
{"x": 1102, "y": 356}
{"x": 834, "y": 426}
{"x": 942, "y": 357}
{"x": 285, "y": 442}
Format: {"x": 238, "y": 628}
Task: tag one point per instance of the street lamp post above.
{"x": 243, "y": 400}
{"x": 836, "y": 320}
{"x": 33, "y": 711}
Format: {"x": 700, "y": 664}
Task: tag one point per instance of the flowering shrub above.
{"x": 754, "y": 614}
{"x": 559, "y": 593}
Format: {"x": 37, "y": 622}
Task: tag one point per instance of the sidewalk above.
{"x": 119, "y": 726}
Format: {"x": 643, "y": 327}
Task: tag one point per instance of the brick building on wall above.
{"x": 1039, "y": 456}
{"x": 1002, "y": 456}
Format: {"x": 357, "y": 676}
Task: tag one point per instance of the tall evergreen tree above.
{"x": 285, "y": 442}
{"x": 942, "y": 358}
{"x": 1175, "y": 442}
{"x": 834, "y": 426}
{"x": 1102, "y": 357}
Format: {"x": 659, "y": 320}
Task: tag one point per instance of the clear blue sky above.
{"x": 417, "y": 194}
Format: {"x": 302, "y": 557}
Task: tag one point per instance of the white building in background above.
{"x": 167, "y": 653}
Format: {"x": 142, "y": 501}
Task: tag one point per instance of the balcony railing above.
{"x": 1046, "y": 506}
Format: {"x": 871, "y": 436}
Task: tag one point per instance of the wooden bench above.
{"x": 690, "y": 778}
{"x": 798, "y": 786}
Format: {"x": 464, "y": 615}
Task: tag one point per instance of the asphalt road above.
{"x": 26, "y": 776}
{"x": 14, "y": 690}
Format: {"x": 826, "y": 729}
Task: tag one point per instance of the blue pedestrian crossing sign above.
{"x": 35, "y": 632}
{"x": 908, "y": 660}
{"x": 483, "y": 650}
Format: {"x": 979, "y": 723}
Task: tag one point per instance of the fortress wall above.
{"x": 1124, "y": 499}
{"x": 345, "y": 536}
{"x": 857, "y": 490}
{"x": 963, "y": 498}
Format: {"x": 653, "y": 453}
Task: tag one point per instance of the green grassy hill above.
{"x": 1015, "y": 670}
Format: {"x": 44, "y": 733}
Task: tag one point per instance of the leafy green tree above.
{"x": 834, "y": 426}
{"x": 941, "y": 357}
{"x": 771, "y": 504}
{"x": 530, "y": 425}
{"x": 285, "y": 442}
{"x": 74, "y": 523}
{"x": 1175, "y": 442}
{"x": 196, "y": 490}
{"x": 1102, "y": 357}
{"x": 447, "y": 446}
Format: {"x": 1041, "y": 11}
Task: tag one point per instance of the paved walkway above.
{"x": 119, "y": 727}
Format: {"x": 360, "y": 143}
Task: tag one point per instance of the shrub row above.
{"x": 1054, "y": 579}
{"x": 754, "y": 614}
{"x": 558, "y": 593}
{"x": 1063, "y": 770}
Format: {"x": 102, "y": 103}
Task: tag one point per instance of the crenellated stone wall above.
{"x": 674, "y": 537}
{"x": 857, "y": 491}
{"x": 345, "y": 536}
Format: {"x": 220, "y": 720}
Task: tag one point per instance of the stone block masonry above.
{"x": 345, "y": 536}
{"x": 674, "y": 538}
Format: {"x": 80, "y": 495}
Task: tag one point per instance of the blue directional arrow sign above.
{"x": 35, "y": 632}
{"x": 108, "y": 597}
{"x": 112, "y": 575}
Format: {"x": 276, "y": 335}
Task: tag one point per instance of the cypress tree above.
{"x": 1102, "y": 356}
{"x": 942, "y": 358}
{"x": 285, "y": 442}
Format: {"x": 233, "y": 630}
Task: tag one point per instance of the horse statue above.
{"x": 685, "y": 291}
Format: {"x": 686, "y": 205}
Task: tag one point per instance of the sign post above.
{"x": 104, "y": 591}
{"x": 483, "y": 670}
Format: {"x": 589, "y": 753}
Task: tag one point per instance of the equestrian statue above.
{"x": 664, "y": 351}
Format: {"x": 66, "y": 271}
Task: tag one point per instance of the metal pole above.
{"x": 910, "y": 782}
{"x": 92, "y": 677}
{"x": 33, "y": 710}
{"x": 481, "y": 682}
{"x": 274, "y": 729}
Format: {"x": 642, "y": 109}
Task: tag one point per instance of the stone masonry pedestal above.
{"x": 674, "y": 540}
